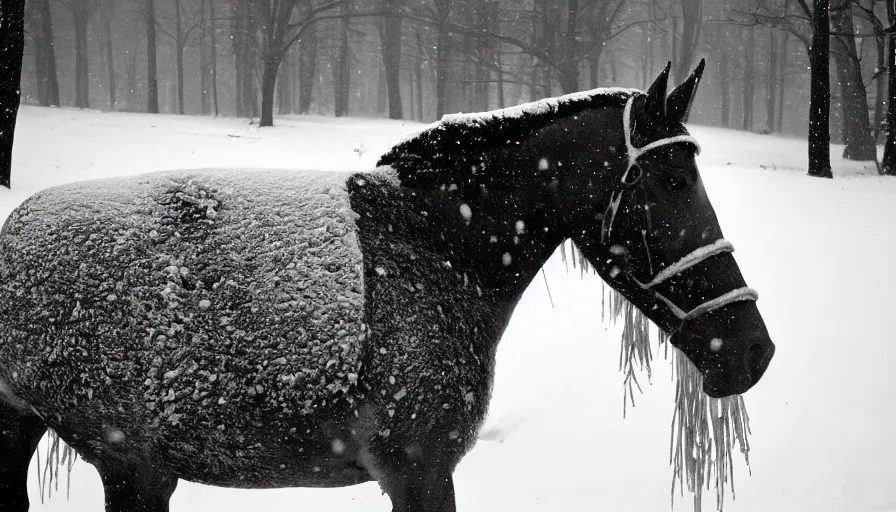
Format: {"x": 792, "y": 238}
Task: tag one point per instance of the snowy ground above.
{"x": 820, "y": 252}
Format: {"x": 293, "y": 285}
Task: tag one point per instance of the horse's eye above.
{"x": 675, "y": 181}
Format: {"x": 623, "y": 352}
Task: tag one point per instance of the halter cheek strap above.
{"x": 694, "y": 257}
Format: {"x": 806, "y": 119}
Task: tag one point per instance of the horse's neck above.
{"x": 502, "y": 237}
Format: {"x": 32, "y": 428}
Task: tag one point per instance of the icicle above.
{"x": 563, "y": 254}
{"x": 58, "y": 454}
{"x": 704, "y": 429}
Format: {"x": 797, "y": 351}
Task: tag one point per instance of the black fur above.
{"x": 452, "y": 230}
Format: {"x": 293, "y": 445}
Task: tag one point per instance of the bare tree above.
{"x": 783, "y": 41}
{"x": 82, "y": 11}
{"x": 152, "y": 77}
{"x": 341, "y": 71}
{"x": 285, "y": 86}
{"x": 279, "y": 32}
{"x": 307, "y": 68}
{"x": 749, "y": 76}
{"x": 442, "y": 11}
{"x": 692, "y": 22}
{"x": 888, "y": 163}
{"x": 107, "y": 14}
{"x": 245, "y": 41}
{"x": 604, "y": 16}
{"x": 857, "y": 131}
{"x": 866, "y": 12}
{"x": 213, "y": 53}
{"x": 12, "y": 45}
{"x": 181, "y": 37}
{"x": 771, "y": 84}
{"x": 390, "y": 35}
{"x": 204, "y": 59}
{"x": 820, "y": 93}
{"x": 41, "y": 31}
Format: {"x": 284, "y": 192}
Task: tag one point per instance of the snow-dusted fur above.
{"x": 273, "y": 329}
{"x": 201, "y": 306}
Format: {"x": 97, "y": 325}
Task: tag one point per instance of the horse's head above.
{"x": 656, "y": 240}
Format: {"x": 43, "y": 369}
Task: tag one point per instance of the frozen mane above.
{"x": 458, "y": 142}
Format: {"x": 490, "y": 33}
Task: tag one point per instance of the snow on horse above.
{"x": 262, "y": 329}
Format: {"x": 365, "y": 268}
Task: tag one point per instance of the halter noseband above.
{"x": 695, "y": 257}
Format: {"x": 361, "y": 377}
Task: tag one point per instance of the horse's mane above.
{"x": 460, "y": 141}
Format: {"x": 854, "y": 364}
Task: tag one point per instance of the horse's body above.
{"x": 314, "y": 329}
{"x": 193, "y": 333}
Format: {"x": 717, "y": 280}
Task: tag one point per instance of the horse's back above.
{"x": 203, "y": 306}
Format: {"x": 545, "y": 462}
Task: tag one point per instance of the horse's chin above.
{"x": 716, "y": 385}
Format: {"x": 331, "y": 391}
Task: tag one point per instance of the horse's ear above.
{"x": 656, "y": 94}
{"x": 678, "y": 105}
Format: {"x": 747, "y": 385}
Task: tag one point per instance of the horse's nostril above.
{"x": 757, "y": 359}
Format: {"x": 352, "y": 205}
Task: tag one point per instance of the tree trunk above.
{"x": 725, "y": 90}
{"x": 391, "y": 44}
{"x": 238, "y": 34}
{"x": 213, "y": 43}
{"x": 692, "y": 16}
{"x": 180, "y": 43}
{"x": 598, "y": 40}
{"x": 12, "y": 45}
{"x": 467, "y": 76}
{"x": 307, "y": 69}
{"x": 888, "y": 163}
{"x": 673, "y": 35}
{"x": 381, "y": 99}
{"x": 771, "y": 96}
{"x": 857, "y": 132}
{"x": 110, "y": 62}
{"x": 880, "y": 96}
{"x": 152, "y": 80}
{"x": 539, "y": 39}
{"x": 244, "y": 41}
{"x": 40, "y": 81}
{"x": 443, "y": 10}
{"x": 285, "y": 86}
{"x": 82, "y": 81}
{"x": 501, "y": 101}
{"x": 724, "y": 74}
{"x": 418, "y": 71}
{"x": 204, "y": 67}
{"x": 820, "y": 93}
{"x": 342, "y": 73}
{"x": 49, "y": 78}
{"x": 651, "y": 49}
{"x": 268, "y": 83}
{"x": 749, "y": 77}
{"x": 130, "y": 72}
{"x": 782, "y": 78}
{"x": 569, "y": 67}
{"x": 409, "y": 87}
{"x": 32, "y": 28}
{"x": 645, "y": 48}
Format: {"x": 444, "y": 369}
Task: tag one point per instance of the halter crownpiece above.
{"x": 693, "y": 258}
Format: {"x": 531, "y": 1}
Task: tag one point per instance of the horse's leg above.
{"x": 420, "y": 488}
{"x": 19, "y": 434}
{"x": 133, "y": 485}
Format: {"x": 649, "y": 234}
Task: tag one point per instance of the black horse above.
{"x": 272, "y": 329}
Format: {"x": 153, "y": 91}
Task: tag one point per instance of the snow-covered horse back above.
{"x": 273, "y": 328}
{"x": 187, "y": 269}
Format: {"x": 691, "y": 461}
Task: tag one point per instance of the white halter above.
{"x": 693, "y": 258}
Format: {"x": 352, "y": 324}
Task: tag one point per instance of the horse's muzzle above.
{"x": 720, "y": 382}
{"x": 730, "y": 347}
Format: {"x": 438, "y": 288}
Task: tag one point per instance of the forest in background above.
{"x": 419, "y": 59}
